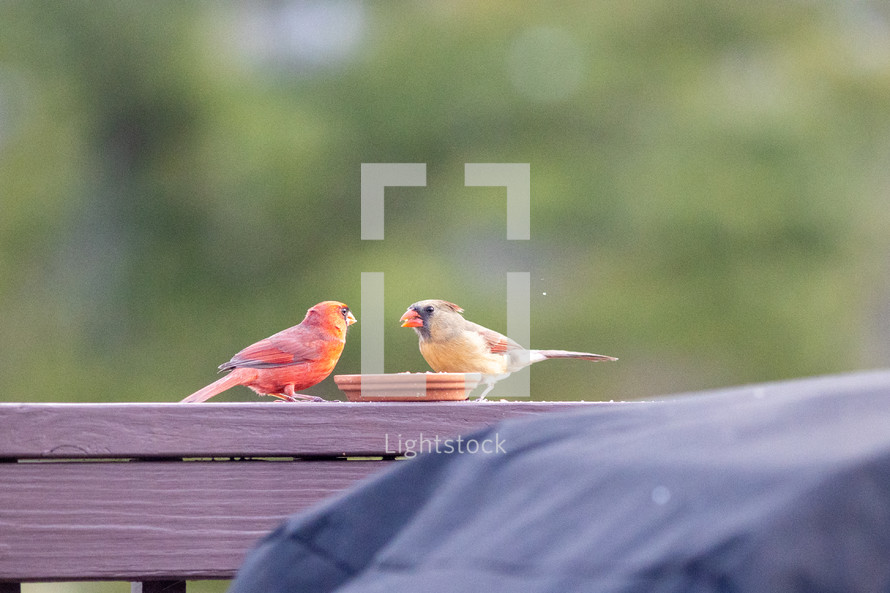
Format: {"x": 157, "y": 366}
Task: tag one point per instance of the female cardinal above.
{"x": 451, "y": 344}
{"x": 295, "y": 358}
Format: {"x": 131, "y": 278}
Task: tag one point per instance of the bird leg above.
{"x": 289, "y": 395}
{"x": 485, "y": 392}
{"x": 490, "y": 380}
{"x": 297, "y": 397}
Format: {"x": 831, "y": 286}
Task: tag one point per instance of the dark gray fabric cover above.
{"x": 779, "y": 487}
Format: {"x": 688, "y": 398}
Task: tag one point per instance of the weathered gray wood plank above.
{"x": 142, "y": 521}
{"x": 242, "y": 429}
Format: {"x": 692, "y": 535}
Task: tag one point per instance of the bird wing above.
{"x": 285, "y": 348}
{"x": 497, "y": 343}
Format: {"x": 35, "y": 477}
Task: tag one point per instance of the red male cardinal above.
{"x": 293, "y": 359}
{"x": 451, "y": 344}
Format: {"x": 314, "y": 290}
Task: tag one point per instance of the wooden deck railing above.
{"x": 158, "y": 494}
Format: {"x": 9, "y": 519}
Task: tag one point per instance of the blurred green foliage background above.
{"x": 178, "y": 180}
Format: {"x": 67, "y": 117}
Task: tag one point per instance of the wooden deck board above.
{"x": 174, "y": 492}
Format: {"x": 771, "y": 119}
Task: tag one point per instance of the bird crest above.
{"x": 452, "y": 306}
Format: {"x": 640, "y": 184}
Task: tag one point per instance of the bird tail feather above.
{"x": 569, "y": 354}
{"x": 214, "y": 388}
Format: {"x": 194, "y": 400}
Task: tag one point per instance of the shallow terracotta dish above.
{"x": 407, "y": 387}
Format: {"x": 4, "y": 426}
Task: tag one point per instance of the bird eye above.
{"x": 429, "y": 309}
{"x": 344, "y": 311}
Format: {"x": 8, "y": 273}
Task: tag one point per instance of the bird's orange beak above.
{"x": 350, "y": 319}
{"x": 411, "y": 318}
